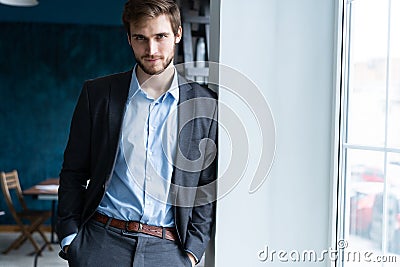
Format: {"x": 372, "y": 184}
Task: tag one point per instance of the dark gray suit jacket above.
{"x": 92, "y": 148}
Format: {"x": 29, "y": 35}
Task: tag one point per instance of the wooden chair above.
{"x": 10, "y": 182}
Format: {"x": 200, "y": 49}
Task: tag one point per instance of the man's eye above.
{"x": 138, "y": 38}
{"x": 161, "y": 36}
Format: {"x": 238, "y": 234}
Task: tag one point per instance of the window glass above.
{"x": 369, "y": 210}
{"x": 394, "y": 77}
{"x": 365, "y": 173}
{"x": 367, "y": 72}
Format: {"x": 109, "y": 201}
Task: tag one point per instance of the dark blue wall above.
{"x": 42, "y": 68}
{"x": 99, "y": 12}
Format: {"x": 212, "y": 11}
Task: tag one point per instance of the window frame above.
{"x": 341, "y": 213}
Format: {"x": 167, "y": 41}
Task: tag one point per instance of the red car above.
{"x": 366, "y": 208}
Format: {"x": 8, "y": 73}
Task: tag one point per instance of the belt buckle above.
{"x": 140, "y": 227}
{"x": 129, "y": 229}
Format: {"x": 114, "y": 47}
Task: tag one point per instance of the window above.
{"x": 369, "y": 208}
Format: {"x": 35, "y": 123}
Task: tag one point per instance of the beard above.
{"x": 154, "y": 71}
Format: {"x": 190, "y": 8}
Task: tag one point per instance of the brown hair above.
{"x": 137, "y": 10}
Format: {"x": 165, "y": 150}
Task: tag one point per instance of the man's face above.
{"x": 153, "y": 43}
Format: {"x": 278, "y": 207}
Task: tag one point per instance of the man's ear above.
{"x": 129, "y": 38}
{"x": 178, "y": 35}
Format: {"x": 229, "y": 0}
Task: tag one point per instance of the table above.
{"x": 46, "y": 190}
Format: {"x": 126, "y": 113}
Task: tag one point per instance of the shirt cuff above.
{"x": 194, "y": 256}
{"x": 67, "y": 241}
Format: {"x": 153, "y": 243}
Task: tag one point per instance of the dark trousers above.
{"x": 100, "y": 245}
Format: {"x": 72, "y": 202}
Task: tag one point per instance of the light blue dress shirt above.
{"x": 142, "y": 174}
{"x": 141, "y": 178}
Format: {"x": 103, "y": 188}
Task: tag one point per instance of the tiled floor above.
{"x": 21, "y": 257}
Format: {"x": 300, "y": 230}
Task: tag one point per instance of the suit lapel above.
{"x": 119, "y": 89}
{"x": 186, "y": 111}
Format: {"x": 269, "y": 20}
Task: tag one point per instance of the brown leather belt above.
{"x": 132, "y": 226}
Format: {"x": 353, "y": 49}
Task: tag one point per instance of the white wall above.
{"x": 287, "y": 48}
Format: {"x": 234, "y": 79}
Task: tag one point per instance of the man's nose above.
{"x": 151, "y": 47}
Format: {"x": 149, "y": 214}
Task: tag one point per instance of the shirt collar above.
{"x": 135, "y": 87}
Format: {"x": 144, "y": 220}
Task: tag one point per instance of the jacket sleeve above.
{"x": 202, "y": 218}
{"x": 75, "y": 169}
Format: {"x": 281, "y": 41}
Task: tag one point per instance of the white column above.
{"x": 287, "y": 48}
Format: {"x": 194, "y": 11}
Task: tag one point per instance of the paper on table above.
{"x": 48, "y": 187}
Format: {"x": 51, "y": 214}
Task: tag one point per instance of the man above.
{"x": 137, "y": 182}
